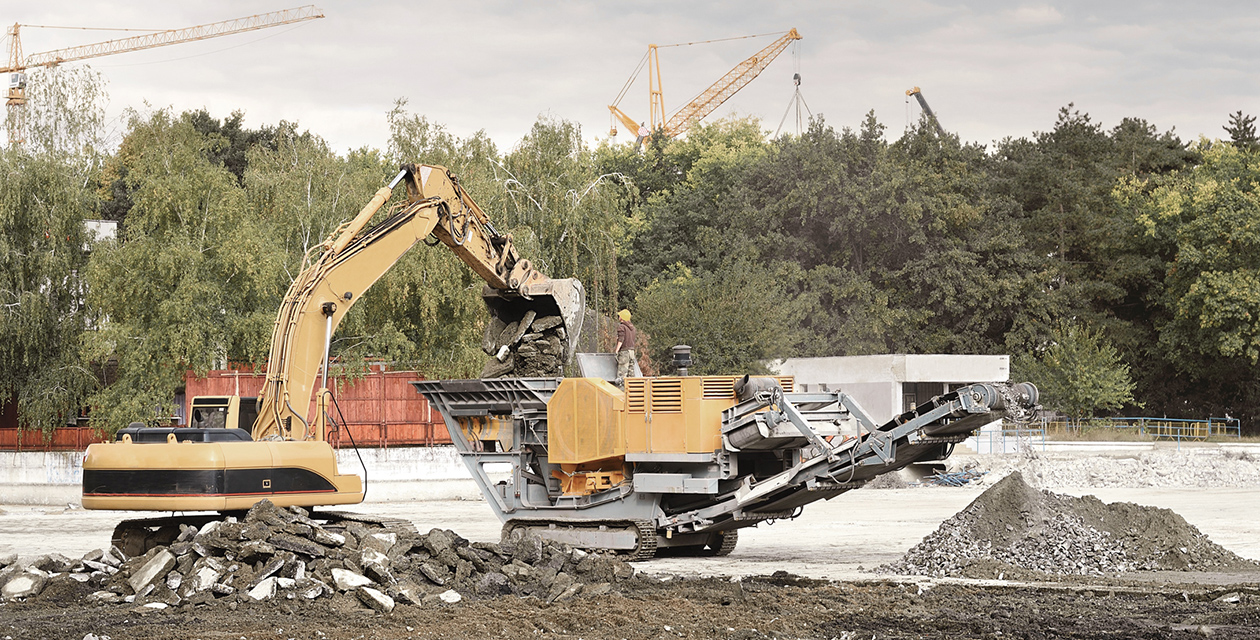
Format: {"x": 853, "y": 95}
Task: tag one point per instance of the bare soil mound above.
{"x": 1013, "y": 529}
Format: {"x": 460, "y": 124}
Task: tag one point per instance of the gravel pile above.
{"x": 1013, "y": 529}
{"x": 531, "y": 347}
{"x": 283, "y": 554}
{"x": 1188, "y": 467}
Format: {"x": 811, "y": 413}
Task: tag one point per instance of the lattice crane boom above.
{"x": 162, "y": 38}
{"x": 727, "y": 85}
{"x": 17, "y": 63}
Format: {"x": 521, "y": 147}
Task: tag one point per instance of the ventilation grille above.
{"x": 788, "y": 383}
{"x": 719, "y": 388}
{"x": 667, "y": 396}
{"x": 634, "y": 395}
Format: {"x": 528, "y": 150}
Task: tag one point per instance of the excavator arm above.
{"x": 352, "y": 259}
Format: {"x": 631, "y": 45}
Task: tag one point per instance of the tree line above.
{"x": 1119, "y": 267}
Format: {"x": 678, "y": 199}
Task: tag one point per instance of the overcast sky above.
{"x": 989, "y": 69}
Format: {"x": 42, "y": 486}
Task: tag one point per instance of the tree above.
{"x": 1242, "y": 131}
{"x": 733, "y": 318}
{"x": 190, "y": 284}
{"x": 1077, "y": 372}
{"x": 45, "y": 196}
{"x": 43, "y": 251}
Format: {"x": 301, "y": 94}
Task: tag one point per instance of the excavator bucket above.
{"x": 533, "y": 331}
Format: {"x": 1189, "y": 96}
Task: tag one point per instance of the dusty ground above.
{"x": 705, "y": 608}
{"x": 837, "y": 540}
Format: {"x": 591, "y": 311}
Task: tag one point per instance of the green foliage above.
{"x": 1208, "y": 218}
{"x": 563, "y": 212}
{"x": 1242, "y": 131}
{"x": 833, "y": 242}
{"x": 43, "y": 250}
{"x": 191, "y": 284}
{"x": 733, "y": 319}
{"x": 1077, "y": 372}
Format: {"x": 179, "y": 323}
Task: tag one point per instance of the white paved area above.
{"x": 830, "y": 540}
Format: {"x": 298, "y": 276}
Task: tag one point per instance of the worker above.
{"x": 643, "y": 134}
{"x": 627, "y": 335}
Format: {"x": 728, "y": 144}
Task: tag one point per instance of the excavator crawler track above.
{"x": 136, "y": 537}
{"x": 399, "y": 525}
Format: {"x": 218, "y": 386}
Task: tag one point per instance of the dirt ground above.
{"x": 762, "y": 607}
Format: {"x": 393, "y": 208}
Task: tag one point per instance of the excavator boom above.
{"x": 353, "y": 259}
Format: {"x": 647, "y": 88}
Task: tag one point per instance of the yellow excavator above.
{"x": 238, "y": 451}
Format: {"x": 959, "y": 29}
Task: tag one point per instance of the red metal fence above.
{"x": 381, "y": 409}
{"x": 63, "y": 439}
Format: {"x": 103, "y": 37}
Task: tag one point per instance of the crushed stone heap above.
{"x": 276, "y": 553}
{"x": 1013, "y": 530}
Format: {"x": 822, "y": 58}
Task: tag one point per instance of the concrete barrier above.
{"x": 398, "y": 474}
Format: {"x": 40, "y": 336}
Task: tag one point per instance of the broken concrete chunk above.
{"x": 273, "y": 565}
{"x": 434, "y": 574}
{"x": 297, "y": 545}
{"x": 7, "y": 560}
{"x": 493, "y": 584}
{"x": 223, "y": 589}
{"x": 264, "y": 590}
{"x": 99, "y": 566}
{"x": 206, "y": 577}
{"x": 569, "y": 592}
{"x": 450, "y": 596}
{"x": 380, "y": 541}
{"x": 373, "y": 556}
{"x": 407, "y": 593}
{"x": 544, "y": 323}
{"x": 346, "y": 580}
{"x": 375, "y": 599}
{"x": 106, "y": 597}
{"x": 285, "y": 583}
{"x": 311, "y": 589}
{"x": 94, "y": 556}
{"x": 23, "y": 585}
{"x": 327, "y": 538}
{"x": 155, "y": 568}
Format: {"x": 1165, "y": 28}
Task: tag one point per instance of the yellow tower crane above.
{"x": 708, "y": 100}
{"x": 19, "y": 64}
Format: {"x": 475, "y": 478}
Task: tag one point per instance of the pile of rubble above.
{"x": 279, "y": 553}
{"x": 1188, "y": 466}
{"x": 1012, "y": 529}
{"x": 531, "y": 347}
